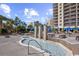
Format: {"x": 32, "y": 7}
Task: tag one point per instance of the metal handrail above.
{"x": 34, "y": 41}
{"x": 39, "y": 45}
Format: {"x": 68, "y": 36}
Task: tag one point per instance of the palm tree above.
{"x": 18, "y": 22}
{"x": 9, "y": 25}
{"x": 2, "y": 18}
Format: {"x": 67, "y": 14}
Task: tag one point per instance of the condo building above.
{"x": 66, "y": 16}
{"x": 50, "y": 23}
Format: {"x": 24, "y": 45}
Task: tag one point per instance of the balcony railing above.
{"x": 67, "y": 11}
{"x": 73, "y": 10}
{"x": 67, "y": 7}
{"x": 66, "y": 4}
{"x": 73, "y": 16}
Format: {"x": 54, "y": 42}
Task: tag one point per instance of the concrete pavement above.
{"x": 11, "y": 47}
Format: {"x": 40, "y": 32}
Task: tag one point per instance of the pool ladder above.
{"x": 45, "y": 50}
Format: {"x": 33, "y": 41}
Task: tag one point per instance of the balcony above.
{"x": 55, "y": 5}
{"x": 55, "y": 18}
{"x": 73, "y": 23}
{"x": 66, "y": 4}
{"x": 56, "y": 13}
{"x": 78, "y": 11}
{"x": 66, "y": 15}
{"x": 66, "y": 24}
{"x": 73, "y": 10}
{"x": 66, "y": 7}
{"x": 78, "y": 20}
{"x": 78, "y": 24}
{"x": 73, "y": 14}
{"x": 66, "y": 20}
{"x": 55, "y": 21}
{"x": 73, "y": 5}
{"x": 73, "y": 17}
{"x": 78, "y": 8}
{"x": 55, "y": 8}
{"x": 67, "y": 11}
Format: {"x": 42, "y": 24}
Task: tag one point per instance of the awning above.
{"x": 68, "y": 29}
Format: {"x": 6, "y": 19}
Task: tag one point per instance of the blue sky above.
{"x": 28, "y": 12}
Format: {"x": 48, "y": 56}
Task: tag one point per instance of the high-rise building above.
{"x": 66, "y": 15}
{"x": 50, "y": 23}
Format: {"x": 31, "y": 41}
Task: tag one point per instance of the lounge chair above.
{"x": 7, "y": 36}
{"x": 62, "y": 36}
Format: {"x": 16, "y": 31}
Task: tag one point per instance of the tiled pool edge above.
{"x": 69, "y": 54}
{"x": 20, "y": 42}
{"x": 56, "y": 42}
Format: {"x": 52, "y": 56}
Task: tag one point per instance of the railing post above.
{"x": 40, "y": 32}
{"x": 45, "y": 32}
{"x": 35, "y": 32}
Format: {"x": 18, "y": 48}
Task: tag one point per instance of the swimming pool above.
{"x": 54, "y": 49}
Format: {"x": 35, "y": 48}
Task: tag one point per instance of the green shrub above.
{"x": 3, "y": 31}
{"x": 20, "y": 29}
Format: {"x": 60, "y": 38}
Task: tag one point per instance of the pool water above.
{"x": 55, "y": 49}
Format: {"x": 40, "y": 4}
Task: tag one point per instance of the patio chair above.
{"x": 77, "y": 38}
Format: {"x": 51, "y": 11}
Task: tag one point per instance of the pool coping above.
{"x": 71, "y": 54}
{"x": 68, "y": 50}
{"x": 69, "y": 45}
{"x": 38, "y": 49}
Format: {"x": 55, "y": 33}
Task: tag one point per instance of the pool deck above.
{"x": 11, "y": 47}
{"x": 69, "y": 42}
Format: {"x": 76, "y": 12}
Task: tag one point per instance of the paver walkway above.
{"x": 11, "y": 47}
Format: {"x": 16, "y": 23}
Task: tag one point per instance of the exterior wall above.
{"x": 66, "y": 15}
{"x": 60, "y": 15}
{"x": 58, "y": 20}
{"x": 70, "y": 15}
{"x": 55, "y": 15}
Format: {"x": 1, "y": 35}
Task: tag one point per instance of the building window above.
{"x": 60, "y": 10}
{"x": 60, "y": 24}
{"x": 60, "y": 4}
{"x": 60, "y": 7}
{"x": 60, "y": 17}
{"x": 60, "y": 20}
{"x": 60, "y": 14}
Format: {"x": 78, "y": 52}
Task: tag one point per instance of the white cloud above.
{"x": 8, "y": 15}
{"x": 5, "y": 8}
{"x": 33, "y": 12}
{"x": 49, "y": 12}
{"x": 30, "y": 12}
{"x": 16, "y": 15}
{"x": 26, "y": 11}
